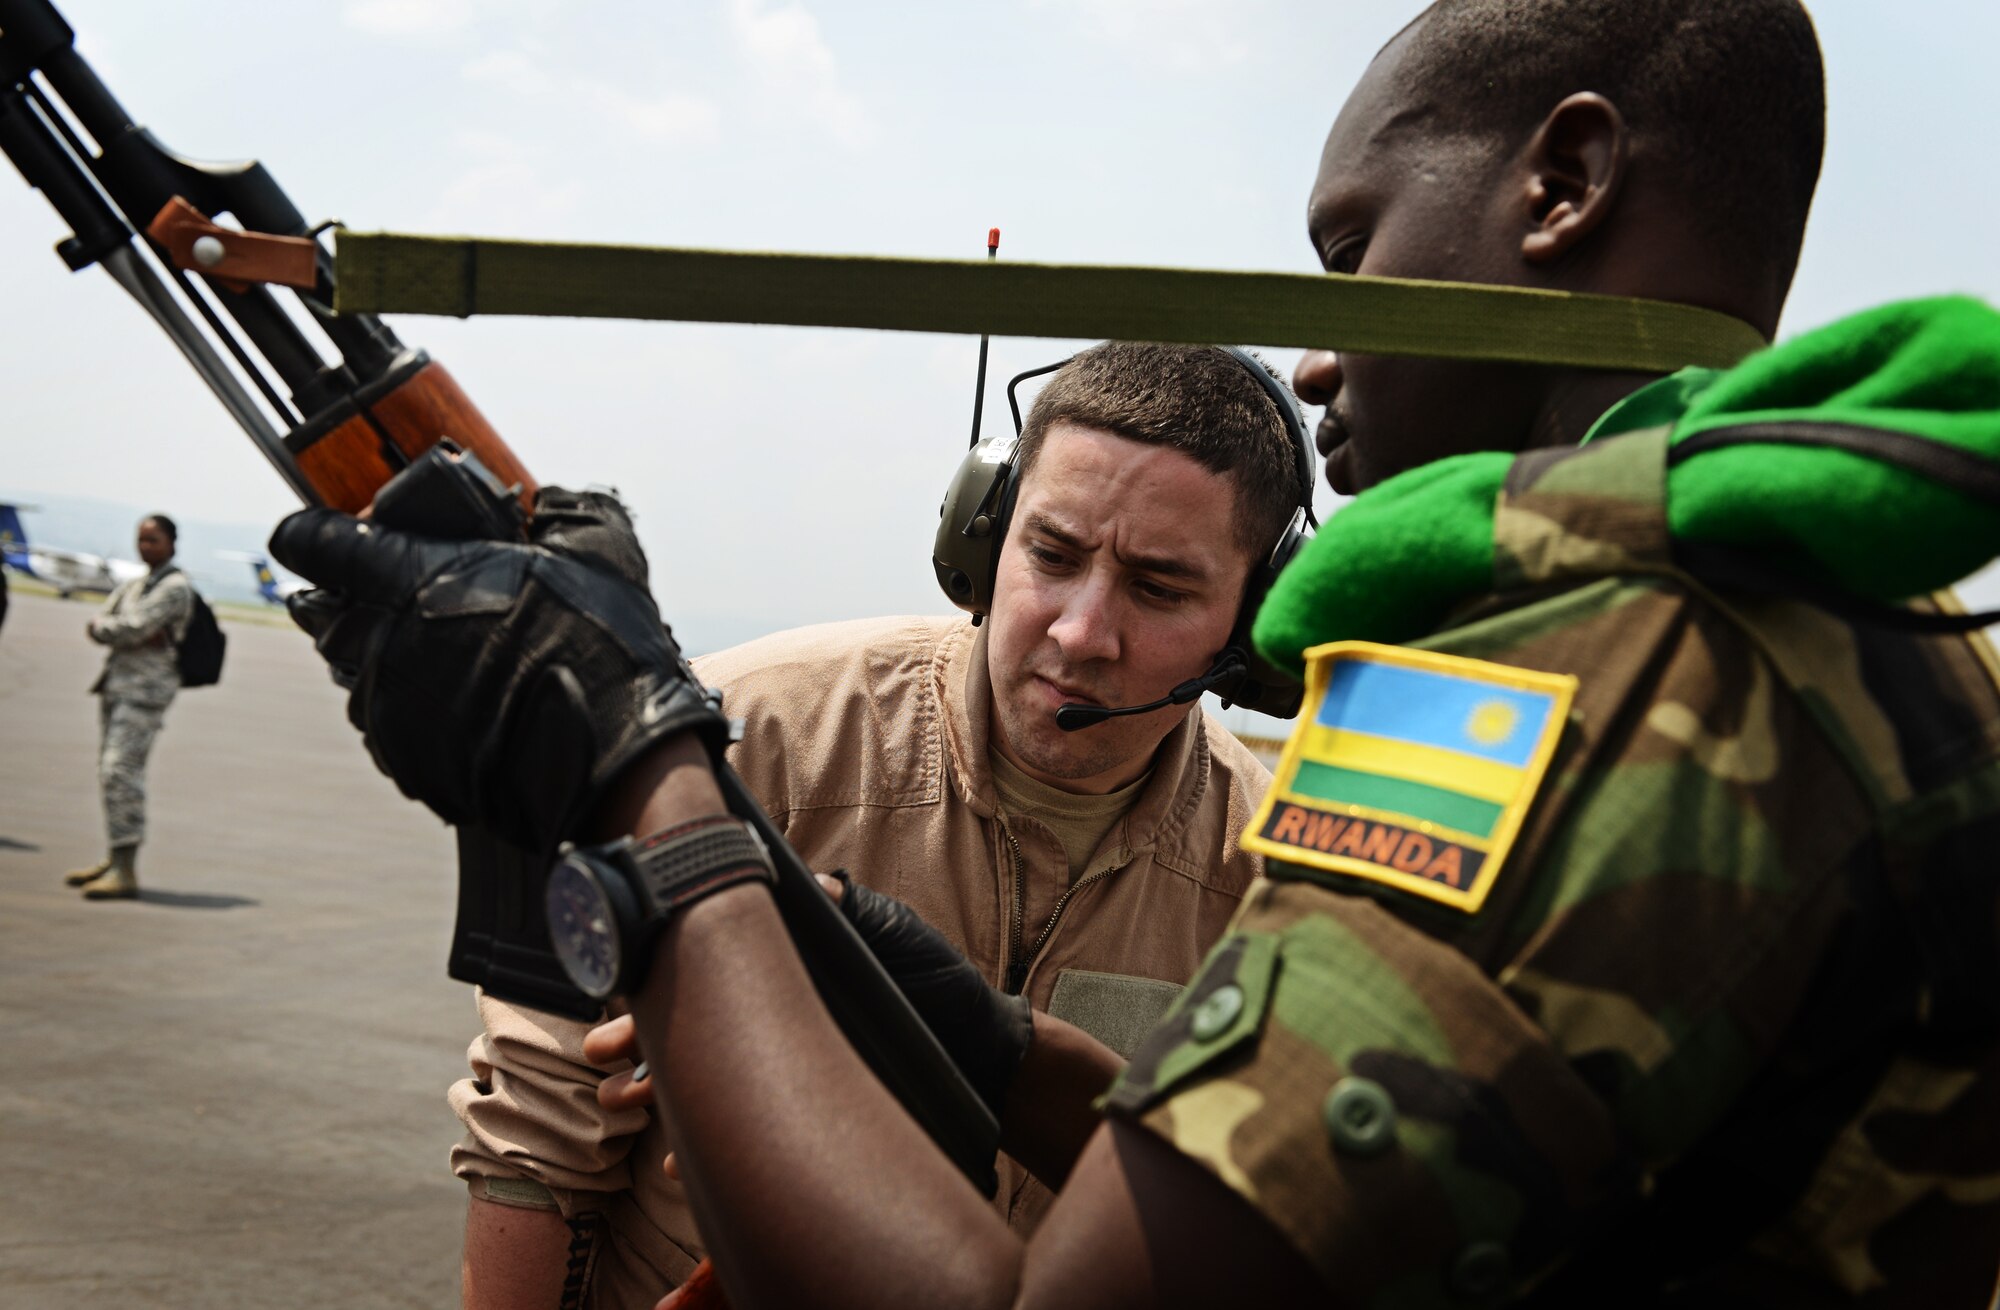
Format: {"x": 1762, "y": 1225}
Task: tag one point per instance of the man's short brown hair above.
{"x": 1198, "y": 400}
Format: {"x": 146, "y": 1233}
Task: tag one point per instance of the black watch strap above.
{"x": 680, "y": 865}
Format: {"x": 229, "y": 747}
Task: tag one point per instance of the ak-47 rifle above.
{"x": 339, "y": 433}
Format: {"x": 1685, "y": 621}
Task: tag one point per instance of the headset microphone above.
{"x": 1227, "y": 665}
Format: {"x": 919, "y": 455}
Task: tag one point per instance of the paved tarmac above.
{"x": 230, "y": 1092}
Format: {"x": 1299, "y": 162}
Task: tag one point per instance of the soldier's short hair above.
{"x": 1198, "y": 400}
{"x": 165, "y": 525}
{"x": 1730, "y": 95}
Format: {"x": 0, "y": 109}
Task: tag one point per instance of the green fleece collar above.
{"x": 1396, "y": 562}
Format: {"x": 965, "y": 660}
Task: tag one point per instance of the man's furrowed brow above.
{"x": 1166, "y": 566}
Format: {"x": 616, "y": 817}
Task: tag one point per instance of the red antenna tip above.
{"x": 992, "y": 238}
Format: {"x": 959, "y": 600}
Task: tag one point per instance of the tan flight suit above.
{"x": 867, "y": 742}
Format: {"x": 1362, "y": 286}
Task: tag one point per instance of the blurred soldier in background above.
{"x": 142, "y": 623}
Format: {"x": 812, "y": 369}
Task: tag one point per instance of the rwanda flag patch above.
{"x": 1411, "y": 768}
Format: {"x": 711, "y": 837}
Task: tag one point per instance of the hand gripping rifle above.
{"x": 339, "y": 433}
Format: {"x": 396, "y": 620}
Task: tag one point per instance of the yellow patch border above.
{"x": 1320, "y": 661}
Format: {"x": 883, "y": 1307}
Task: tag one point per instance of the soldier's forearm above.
{"x": 133, "y": 629}
{"x": 810, "y": 1184}
{"x": 671, "y": 784}
{"x": 1049, "y": 1106}
{"x": 782, "y": 1134}
{"x": 123, "y": 637}
{"x": 150, "y": 617}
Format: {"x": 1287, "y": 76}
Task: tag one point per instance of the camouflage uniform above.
{"x": 142, "y": 623}
{"x": 1723, "y": 1030}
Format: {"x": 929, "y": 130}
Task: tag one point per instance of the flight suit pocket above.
{"x": 1219, "y": 1015}
{"x": 1117, "y": 1009}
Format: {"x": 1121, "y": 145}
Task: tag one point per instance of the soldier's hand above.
{"x": 985, "y": 1031}
{"x": 497, "y": 682}
{"x": 591, "y": 526}
{"x": 616, "y": 1041}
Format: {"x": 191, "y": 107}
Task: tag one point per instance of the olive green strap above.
{"x": 383, "y": 272}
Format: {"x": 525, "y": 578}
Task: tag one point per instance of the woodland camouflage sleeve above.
{"x": 1377, "y": 1099}
{"x": 1439, "y": 1105}
{"x": 1727, "y": 1003}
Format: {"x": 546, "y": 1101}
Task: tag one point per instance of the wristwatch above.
{"x": 606, "y": 902}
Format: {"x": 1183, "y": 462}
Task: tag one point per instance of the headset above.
{"x": 972, "y": 524}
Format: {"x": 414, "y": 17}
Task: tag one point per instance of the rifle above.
{"x": 338, "y": 432}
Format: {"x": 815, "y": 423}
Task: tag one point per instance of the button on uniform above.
{"x": 1360, "y": 1117}
{"x": 1479, "y": 1271}
{"x": 1217, "y": 1011}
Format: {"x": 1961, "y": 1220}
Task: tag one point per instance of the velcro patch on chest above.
{"x": 1411, "y": 768}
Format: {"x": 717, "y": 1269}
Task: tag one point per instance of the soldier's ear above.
{"x": 1575, "y": 167}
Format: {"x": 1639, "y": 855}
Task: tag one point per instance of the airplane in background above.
{"x": 68, "y": 571}
{"x": 272, "y": 588}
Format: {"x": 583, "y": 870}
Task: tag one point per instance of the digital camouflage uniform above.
{"x": 1722, "y": 1031}
{"x": 142, "y": 623}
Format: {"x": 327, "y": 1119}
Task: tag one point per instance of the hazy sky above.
{"x": 788, "y": 475}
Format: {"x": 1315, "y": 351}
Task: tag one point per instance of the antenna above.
{"x": 979, "y": 386}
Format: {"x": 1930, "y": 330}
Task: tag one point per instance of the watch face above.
{"x": 583, "y": 928}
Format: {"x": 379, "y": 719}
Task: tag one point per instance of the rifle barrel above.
{"x": 132, "y": 272}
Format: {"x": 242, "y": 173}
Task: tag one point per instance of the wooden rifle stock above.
{"x": 351, "y": 461}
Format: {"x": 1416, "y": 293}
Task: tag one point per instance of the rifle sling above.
{"x": 385, "y": 272}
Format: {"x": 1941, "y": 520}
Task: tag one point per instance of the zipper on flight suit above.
{"x": 1018, "y": 960}
{"x": 1016, "y": 972}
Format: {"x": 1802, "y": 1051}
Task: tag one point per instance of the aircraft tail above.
{"x": 13, "y": 538}
{"x": 267, "y": 581}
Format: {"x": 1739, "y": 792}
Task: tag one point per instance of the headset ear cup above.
{"x": 1003, "y": 516}
{"x": 1262, "y": 686}
{"x": 1294, "y": 419}
{"x": 972, "y": 522}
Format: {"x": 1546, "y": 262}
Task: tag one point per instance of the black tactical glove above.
{"x": 591, "y": 526}
{"x": 499, "y": 683}
{"x": 985, "y": 1031}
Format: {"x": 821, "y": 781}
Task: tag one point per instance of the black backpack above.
{"x": 200, "y": 651}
